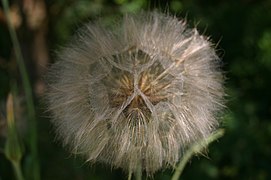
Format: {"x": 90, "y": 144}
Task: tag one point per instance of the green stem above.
{"x": 196, "y": 148}
{"x": 139, "y": 172}
{"x": 130, "y": 175}
{"x": 17, "y": 170}
{"x": 28, "y": 93}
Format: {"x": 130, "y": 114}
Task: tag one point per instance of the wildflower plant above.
{"x": 138, "y": 94}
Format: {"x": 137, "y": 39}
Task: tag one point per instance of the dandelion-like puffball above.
{"x": 136, "y": 94}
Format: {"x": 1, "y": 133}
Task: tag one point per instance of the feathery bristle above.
{"x": 137, "y": 94}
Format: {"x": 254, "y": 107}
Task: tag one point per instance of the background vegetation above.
{"x": 243, "y": 30}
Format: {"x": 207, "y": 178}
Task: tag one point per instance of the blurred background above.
{"x": 240, "y": 28}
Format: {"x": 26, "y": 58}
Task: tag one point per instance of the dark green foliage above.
{"x": 243, "y": 30}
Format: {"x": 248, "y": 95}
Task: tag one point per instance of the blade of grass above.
{"x": 28, "y": 93}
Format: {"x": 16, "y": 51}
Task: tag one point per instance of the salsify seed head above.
{"x": 137, "y": 94}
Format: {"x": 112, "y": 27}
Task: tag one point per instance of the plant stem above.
{"x": 139, "y": 172}
{"x": 17, "y": 170}
{"x": 28, "y": 93}
{"x": 196, "y": 148}
{"x": 130, "y": 175}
